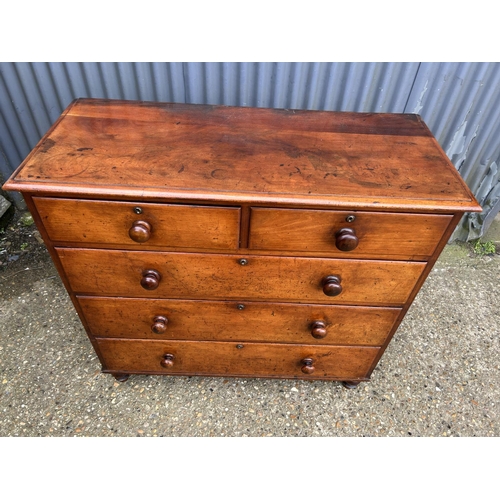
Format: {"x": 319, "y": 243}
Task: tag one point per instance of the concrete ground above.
{"x": 440, "y": 376}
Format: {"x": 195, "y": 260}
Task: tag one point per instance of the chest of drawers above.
{"x": 223, "y": 241}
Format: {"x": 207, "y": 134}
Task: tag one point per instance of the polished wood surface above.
{"x": 112, "y": 223}
{"x": 230, "y": 358}
{"x": 162, "y": 150}
{"x": 191, "y": 275}
{"x": 379, "y": 235}
{"x": 428, "y": 268}
{"x": 213, "y": 240}
{"x": 237, "y": 321}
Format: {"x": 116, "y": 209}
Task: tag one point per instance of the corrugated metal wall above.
{"x": 460, "y": 102}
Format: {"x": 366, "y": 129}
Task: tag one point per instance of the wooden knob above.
{"x": 150, "y": 279}
{"x": 159, "y": 325}
{"x": 346, "y": 239}
{"x": 331, "y": 285}
{"x": 167, "y": 361}
{"x": 307, "y": 366}
{"x": 318, "y": 330}
{"x": 140, "y": 231}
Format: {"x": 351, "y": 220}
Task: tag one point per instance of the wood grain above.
{"x": 210, "y": 181}
{"x": 226, "y": 153}
{"x": 185, "y": 275}
{"x": 381, "y": 235}
{"x": 98, "y": 222}
{"x": 429, "y": 265}
{"x": 226, "y": 358}
{"x": 237, "y": 321}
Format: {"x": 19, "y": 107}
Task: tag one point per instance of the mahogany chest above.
{"x": 214, "y": 240}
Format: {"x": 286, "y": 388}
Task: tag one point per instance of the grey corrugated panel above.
{"x": 5, "y": 138}
{"x": 60, "y": 80}
{"x": 460, "y": 104}
{"x": 34, "y": 100}
{"x": 5, "y": 166}
{"x": 112, "y": 80}
{"x": 127, "y": 81}
{"x": 368, "y": 87}
{"x": 377, "y": 87}
{"x": 17, "y": 112}
{"x": 485, "y": 124}
{"x": 145, "y": 81}
{"x": 76, "y": 80}
{"x": 44, "y": 90}
{"x": 169, "y": 82}
{"x": 12, "y": 137}
{"x": 459, "y": 101}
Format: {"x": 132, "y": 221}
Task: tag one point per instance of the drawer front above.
{"x": 237, "y": 321}
{"x": 158, "y": 225}
{"x": 233, "y": 359}
{"x": 374, "y": 235}
{"x": 191, "y": 275}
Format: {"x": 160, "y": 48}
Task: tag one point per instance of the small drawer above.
{"x": 347, "y": 234}
{"x": 243, "y": 277}
{"x": 237, "y": 321}
{"x": 145, "y": 225}
{"x": 236, "y": 359}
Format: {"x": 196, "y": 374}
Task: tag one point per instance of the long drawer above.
{"x": 191, "y": 275}
{"x": 237, "y": 321}
{"x": 144, "y": 225}
{"x": 351, "y": 234}
{"x": 236, "y": 359}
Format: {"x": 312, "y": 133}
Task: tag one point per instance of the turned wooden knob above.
{"x": 307, "y": 366}
{"x": 140, "y": 231}
{"x": 167, "y": 361}
{"x": 346, "y": 239}
{"x": 150, "y": 279}
{"x": 159, "y": 325}
{"x": 318, "y": 330}
{"x": 331, "y": 285}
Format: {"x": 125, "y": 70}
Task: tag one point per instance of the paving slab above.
{"x": 440, "y": 376}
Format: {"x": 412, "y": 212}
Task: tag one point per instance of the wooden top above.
{"x": 164, "y": 151}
